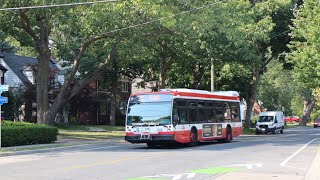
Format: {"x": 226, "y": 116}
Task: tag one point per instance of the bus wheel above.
{"x": 228, "y": 135}
{"x": 151, "y": 144}
{"x": 193, "y": 137}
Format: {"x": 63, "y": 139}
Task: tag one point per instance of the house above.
{"x": 21, "y": 78}
{"x": 20, "y": 70}
{"x": 3, "y": 70}
{"x": 92, "y": 105}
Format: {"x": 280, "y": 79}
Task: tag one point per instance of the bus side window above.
{"x": 181, "y": 107}
{"x": 193, "y": 115}
{"x": 183, "y": 115}
{"x": 219, "y": 107}
{"x": 227, "y": 112}
{"x": 210, "y": 111}
{"x": 210, "y": 115}
{"x": 193, "y": 111}
{"x": 220, "y": 115}
{"x": 202, "y": 115}
{"x": 235, "y": 112}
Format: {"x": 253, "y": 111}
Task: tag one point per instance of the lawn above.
{"x": 99, "y": 132}
{"x": 90, "y": 132}
{"x": 248, "y": 131}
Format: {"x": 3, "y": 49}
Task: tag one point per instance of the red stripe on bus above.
{"x": 166, "y": 132}
{"x": 209, "y": 96}
{"x": 191, "y": 94}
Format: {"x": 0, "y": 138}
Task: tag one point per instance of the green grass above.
{"x": 83, "y": 132}
{"x": 290, "y": 125}
{"x": 249, "y": 131}
{"x": 87, "y": 127}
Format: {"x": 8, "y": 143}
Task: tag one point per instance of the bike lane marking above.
{"x": 206, "y": 171}
{"x": 296, "y": 153}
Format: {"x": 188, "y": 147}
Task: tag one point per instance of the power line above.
{"x": 167, "y": 17}
{"x": 156, "y": 20}
{"x": 56, "y": 5}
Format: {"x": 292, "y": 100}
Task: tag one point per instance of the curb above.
{"x": 313, "y": 172}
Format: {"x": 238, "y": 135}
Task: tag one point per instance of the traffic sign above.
{"x": 3, "y": 100}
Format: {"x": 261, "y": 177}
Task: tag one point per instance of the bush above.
{"x": 17, "y": 133}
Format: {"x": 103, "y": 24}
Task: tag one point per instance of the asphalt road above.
{"x": 272, "y": 156}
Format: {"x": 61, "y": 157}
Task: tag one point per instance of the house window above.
{"x": 125, "y": 86}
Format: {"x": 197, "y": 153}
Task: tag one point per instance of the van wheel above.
{"x": 257, "y": 132}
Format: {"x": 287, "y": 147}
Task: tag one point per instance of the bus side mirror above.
{"x": 175, "y": 120}
{"x": 275, "y": 121}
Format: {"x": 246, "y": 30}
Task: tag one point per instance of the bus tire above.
{"x": 228, "y": 138}
{"x": 193, "y": 137}
{"x": 151, "y": 144}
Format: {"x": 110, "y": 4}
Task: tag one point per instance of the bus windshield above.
{"x": 149, "y": 110}
{"x": 265, "y": 119}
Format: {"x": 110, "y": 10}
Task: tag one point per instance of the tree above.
{"x": 305, "y": 53}
{"x": 277, "y": 89}
{"x": 33, "y": 27}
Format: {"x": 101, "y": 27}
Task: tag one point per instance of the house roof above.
{"x": 20, "y": 63}
{"x": 3, "y": 68}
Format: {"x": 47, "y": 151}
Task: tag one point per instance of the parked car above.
{"x": 316, "y": 123}
{"x": 292, "y": 119}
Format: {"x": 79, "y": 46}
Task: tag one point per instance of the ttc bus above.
{"x": 183, "y": 115}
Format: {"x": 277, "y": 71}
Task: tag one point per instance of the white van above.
{"x": 270, "y": 121}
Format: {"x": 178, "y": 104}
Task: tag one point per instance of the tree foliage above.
{"x": 305, "y": 53}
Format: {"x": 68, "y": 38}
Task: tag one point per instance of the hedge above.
{"x": 17, "y": 133}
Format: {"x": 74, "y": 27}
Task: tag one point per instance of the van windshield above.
{"x": 265, "y": 118}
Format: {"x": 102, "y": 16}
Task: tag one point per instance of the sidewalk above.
{"x": 314, "y": 170}
{"x": 312, "y": 174}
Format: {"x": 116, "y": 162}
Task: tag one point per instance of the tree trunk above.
{"x": 307, "y": 109}
{"x": 65, "y": 94}
{"x": 163, "y": 77}
{"x": 113, "y": 107}
{"x": 163, "y": 71}
{"x": 114, "y": 90}
{"x": 42, "y": 88}
{"x": 252, "y": 96}
{"x": 196, "y": 76}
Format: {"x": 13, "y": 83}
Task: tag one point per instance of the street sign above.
{"x": 4, "y": 88}
{"x": 3, "y": 100}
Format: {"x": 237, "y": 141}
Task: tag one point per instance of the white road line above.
{"x": 294, "y": 154}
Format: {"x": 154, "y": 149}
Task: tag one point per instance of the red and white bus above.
{"x": 183, "y": 115}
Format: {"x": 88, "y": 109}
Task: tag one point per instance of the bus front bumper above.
{"x": 150, "y": 138}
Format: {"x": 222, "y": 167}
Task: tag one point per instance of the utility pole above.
{"x": 212, "y": 76}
